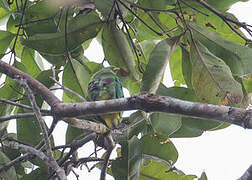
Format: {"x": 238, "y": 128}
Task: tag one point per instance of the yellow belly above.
{"x": 112, "y": 120}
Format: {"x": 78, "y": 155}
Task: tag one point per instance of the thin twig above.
{"x": 51, "y": 160}
{"x": 23, "y": 105}
{"x": 22, "y": 115}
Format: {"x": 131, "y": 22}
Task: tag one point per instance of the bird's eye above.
{"x": 92, "y": 86}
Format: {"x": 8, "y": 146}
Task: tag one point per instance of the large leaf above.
{"x": 11, "y": 173}
{"x": 76, "y": 77}
{"x": 160, "y": 148}
{"x": 151, "y": 170}
{"x": 5, "y": 40}
{"x": 35, "y": 174}
{"x": 236, "y": 56}
{"x": 212, "y": 79}
{"x": 117, "y": 49}
{"x": 191, "y": 127}
{"x": 157, "y": 64}
{"x": 186, "y": 67}
{"x": 28, "y": 59}
{"x": 127, "y": 167}
{"x": 80, "y": 29}
{"x": 165, "y": 124}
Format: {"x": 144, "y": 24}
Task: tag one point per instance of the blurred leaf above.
{"x": 151, "y": 170}
{"x": 72, "y": 133}
{"x": 203, "y": 176}
{"x": 80, "y": 29}
{"x": 212, "y": 79}
{"x": 117, "y": 49}
{"x": 11, "y": 173}
{"x": 35, "y": 174}
{"x": 128, "y": 166}
{"x": 105, "y": 7}
{"x": 157, "y": 4}
{"x": 5, "y": 40}
{"x": 236, "y": 56}
{"x": 157, "y": 64}
{"x": 4, "y": 4}
{"x": 28, "y": 59}
{"x": 159, "y": 147}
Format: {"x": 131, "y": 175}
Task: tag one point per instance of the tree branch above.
{"x": 23, "y": 115}
{"x": 35, "y": 85}
{"x": 247, "y": 175}
{"x": 41, "y": 155}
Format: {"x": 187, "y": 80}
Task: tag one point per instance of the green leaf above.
{"x": 4, "y": 4}
{"x": 76, "y": 77}
{"x": 236, "y": 56}
{"x": 80, "y": 29}
{"x": 11, "y": 173}
{"x": 105, "y": 7}
{"x": 151, "y": 170}
{"x": 137, "y": 123}
{"x": 165, "y": 124}
{"x": 28, "y": 59}
{"x": 186, "y": 67}
{"x": 191, "y": 127}
{"x": 157, "y": 64}
{"x": 157, "y": 4}
{"x": 127, "y": 167}
{"x": 35, "y": 174}
{"x": 203, "y": 176}
{"x": 5, "y": 40}
{"x": 72, "y": 133}
{"x": 212, "y": 79}
{"x": 159, "y": 147}
{"x": 175, "y": 63}
{"x": 117, "y": 49}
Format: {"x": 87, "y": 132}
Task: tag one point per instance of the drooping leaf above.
{"x": 159, "y": 147}
{"x": 158, "y": 170}
{"x": 157, "y": 64}
{"x": 80, "y": 29}
{"x": 127, "y": 167}
{"x": 117, "y": 49}
{"x": 10, "y": 174}
{"x": 5, "y": 40}
{"x": 236, "y": 56}
{"x": 212, "y": 79}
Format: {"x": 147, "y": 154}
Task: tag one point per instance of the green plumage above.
{"x": 104, "y": 85}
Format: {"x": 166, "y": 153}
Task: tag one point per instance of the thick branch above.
{"x": 36, "y": 86}
{"x": 248, "y": 174}
{"x": 153, "y": 103}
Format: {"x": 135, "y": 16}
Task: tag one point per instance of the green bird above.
{"x": 105, "y": 85}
